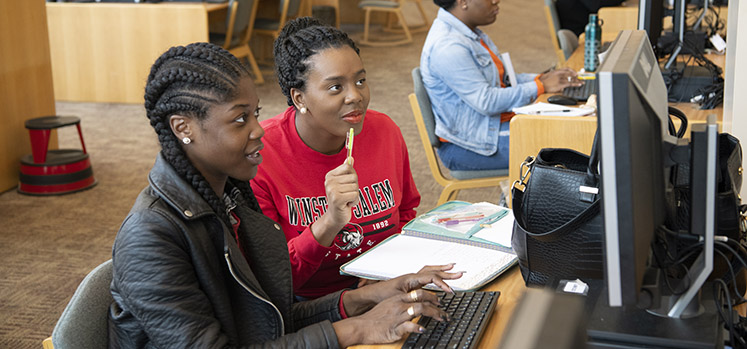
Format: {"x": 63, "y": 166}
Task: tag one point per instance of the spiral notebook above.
{"x": 476, "y": 237}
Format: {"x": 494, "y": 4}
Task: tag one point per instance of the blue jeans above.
{"x": 455, "y": 157}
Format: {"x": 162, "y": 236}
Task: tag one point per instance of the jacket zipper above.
{"x": 233, "y": 273}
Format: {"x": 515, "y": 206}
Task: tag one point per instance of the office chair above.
{"x": 553, "y": 23}
{"x": 426, "y": 122}
{"x": 568, "y": 42}
{"x": 269, "y": 28}
{"x": 390, "y": 7}
{"x": 239, "y": 26}
{"x": 84, "y": 322}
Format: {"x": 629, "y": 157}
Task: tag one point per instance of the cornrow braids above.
{"x": 188, "y": 80}
{"x": 300, "y": 39}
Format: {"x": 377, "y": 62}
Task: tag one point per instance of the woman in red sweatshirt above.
{"x": 331, "y": 209}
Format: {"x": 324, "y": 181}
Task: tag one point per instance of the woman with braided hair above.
{"x": 330, "y": 209}
{"x": 196, "y": 264}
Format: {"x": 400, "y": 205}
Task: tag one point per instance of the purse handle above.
{"x": 592, "y": 172}
{"x": 561, "y": 231}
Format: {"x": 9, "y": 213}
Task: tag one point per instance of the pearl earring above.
{"x": 186, "y": 140}
{"x": 464, "y": 7}
{"x": 303, "y": 110}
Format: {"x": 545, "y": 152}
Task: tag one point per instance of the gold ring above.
{"x": 411, "y": 311}
{"x": 414, "y": 295}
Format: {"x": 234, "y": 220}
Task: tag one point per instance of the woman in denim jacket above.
{"x": 469, "y": 89}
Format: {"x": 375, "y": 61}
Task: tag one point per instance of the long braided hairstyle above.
{"x": 189, "y": 80}
{"x": 300, "y": 39}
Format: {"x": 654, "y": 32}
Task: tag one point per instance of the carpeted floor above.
{"x": 48, "y": 244}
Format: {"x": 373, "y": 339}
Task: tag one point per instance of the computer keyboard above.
{"x": 581, "y": 93}
{"x": 469, "y": 314}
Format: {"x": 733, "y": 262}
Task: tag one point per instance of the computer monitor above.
{"x": 651, "y": 19}
{"x": 637, "y": 154}
{"x": 633, "y": 124}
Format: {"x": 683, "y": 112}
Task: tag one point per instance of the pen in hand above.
{"x": 349, "y": 146}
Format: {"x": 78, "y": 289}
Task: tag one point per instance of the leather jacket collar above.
{"x": 179, "y": 194}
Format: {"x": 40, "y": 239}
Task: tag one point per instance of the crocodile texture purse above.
{"x": 558, "y": 232}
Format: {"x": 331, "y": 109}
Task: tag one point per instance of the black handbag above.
{"x": 728, "y": 202}
{"x": 558, "y": 232}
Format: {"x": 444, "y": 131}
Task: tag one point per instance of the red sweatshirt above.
{"x": 290, "y": 189}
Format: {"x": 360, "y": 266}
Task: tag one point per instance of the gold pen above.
{"x": 349, "y": 145}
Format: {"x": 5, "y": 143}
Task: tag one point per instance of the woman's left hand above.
{"x": 362, "y": 299}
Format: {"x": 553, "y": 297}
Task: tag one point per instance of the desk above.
{"x": 530, "y": 133}
{"x": 512, "y": 288}
{"x": 102, "y": 52}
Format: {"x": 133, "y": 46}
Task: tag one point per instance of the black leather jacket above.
{"x": 180, "y": 279}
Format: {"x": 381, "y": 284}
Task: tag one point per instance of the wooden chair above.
{"x": 84, "y": 322}
{"x": 269, "y": 28}
{"x": 391, "y": 24}
{"x": 553, "y": 23}
{"x": 392, "y": 8}
{"x": 239, "y": 27}
{"x": 424, "y": 119}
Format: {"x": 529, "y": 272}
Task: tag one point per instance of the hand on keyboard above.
{"x": 389, "y": 320}
{"x": 382, "y": 312}
{"x": 556, "y": 80}
{"x": 469, "y": 314}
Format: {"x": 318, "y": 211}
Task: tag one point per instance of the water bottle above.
{"x": 592, "y": 43}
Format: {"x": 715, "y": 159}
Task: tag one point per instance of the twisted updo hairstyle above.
{"x": 189, "y": 80}
{"x": 445, "y": 4}
{"x": 300, "y": 39}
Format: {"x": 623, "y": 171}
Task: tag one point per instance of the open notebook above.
{"x": 476, "y": 237}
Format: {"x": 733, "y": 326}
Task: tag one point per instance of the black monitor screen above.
{"x": 633, "y": 120}
{"x": 651, "y": 18}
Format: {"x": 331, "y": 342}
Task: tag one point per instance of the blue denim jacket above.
{"x": 463, "y": 84}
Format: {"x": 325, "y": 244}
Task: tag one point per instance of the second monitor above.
{"x": 636, "y": 158}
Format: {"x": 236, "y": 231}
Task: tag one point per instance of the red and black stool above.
{"x": 52, "y": 172}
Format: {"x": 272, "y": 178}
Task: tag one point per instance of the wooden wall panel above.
{"x": 102, "y": 52}
{"x": 25, "y": 81}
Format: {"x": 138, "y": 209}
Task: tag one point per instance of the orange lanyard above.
{"x": 497, "y": 62}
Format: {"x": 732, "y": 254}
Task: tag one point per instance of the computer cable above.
{"x": 683, "y": 122}
{"x": 671, "y": 264}
{"x": 709, "y": 96}
{"x": 724, "y": 306}
{"x": 714, "y": 24}
{"x": 724, "y": 301}
{"x": 733, "y": 277}
{"x": 722, "y": 298}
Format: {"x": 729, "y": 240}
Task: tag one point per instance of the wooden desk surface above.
{"x": 511, "y": 286}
